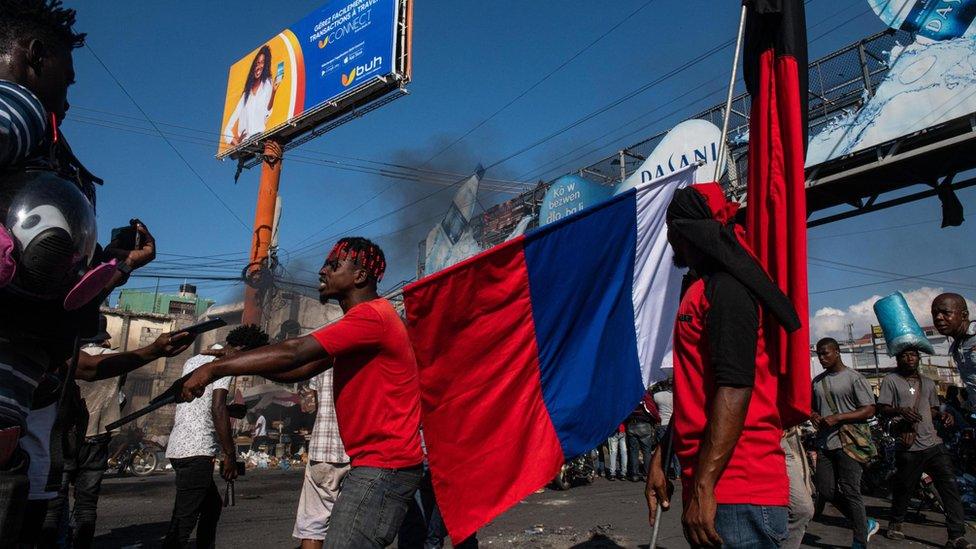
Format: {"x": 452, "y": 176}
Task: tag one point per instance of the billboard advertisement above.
{"x": 930, "y": 81}
{"x": 331, "y": 53}
{"x": 570, "y": 194}
{"x": 692, "y": 141}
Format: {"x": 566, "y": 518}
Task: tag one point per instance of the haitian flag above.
{"x": 532, "y": 352}
{"x": 776, "y": 220}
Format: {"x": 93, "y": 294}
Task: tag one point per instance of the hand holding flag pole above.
{"x": 667, "y": 455}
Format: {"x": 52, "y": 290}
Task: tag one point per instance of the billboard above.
{"x": 930, "y": 81}
{"x": 570, "y": 194}
{"x": 692, "y": 141}
{"x": 333, "y": 53}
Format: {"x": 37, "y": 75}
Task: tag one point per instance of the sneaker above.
{"x": 894, "y": 531}
{"x": 873, "y": 527}
{"x": 960, "y": 543}
{"x": 611, "y": 476}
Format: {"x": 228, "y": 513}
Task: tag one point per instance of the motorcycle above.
{"x": 575, "y": 472}
{"x": 134, "y": 455}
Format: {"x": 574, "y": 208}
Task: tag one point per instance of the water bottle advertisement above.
{"x": 928, "y": 82}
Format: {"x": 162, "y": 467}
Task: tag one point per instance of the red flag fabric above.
{"x": 776, "y": 75}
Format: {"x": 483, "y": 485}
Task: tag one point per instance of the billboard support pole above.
{"x": 264, "y": 218}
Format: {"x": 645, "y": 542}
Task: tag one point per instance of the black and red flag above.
{"x": 775, "y": 71}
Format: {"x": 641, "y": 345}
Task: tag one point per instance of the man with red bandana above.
{"x": 726, "y": 422}
{"x": 375, "y": 387}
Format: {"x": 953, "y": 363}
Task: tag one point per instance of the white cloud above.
{"x": 832, "y": 322}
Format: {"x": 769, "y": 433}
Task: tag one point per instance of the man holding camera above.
{"x": 38, "y": 335}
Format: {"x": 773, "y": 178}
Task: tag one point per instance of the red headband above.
{"x": 369, "y": 259}
{"x": 723, "y": 210}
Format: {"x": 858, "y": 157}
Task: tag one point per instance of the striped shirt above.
{"x": 326, "y": 444}
{"x": 22, "y": 123}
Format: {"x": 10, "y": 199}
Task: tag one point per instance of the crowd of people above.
{"x": 744, "y": 479}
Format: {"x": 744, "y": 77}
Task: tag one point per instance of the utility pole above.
{"x": 874, "y": 347}
{"x": 850, "y": 344}
{"x": 264, "y": 214}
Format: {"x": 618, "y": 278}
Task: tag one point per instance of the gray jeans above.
{"x": 801, "y": 502}
{"x": 371, "y": 506}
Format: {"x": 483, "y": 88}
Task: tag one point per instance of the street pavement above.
{"x": 134, "y": 512}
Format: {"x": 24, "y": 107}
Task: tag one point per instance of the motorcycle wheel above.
{"x": 561, "y": 482}
{"x": 143, "y": 462}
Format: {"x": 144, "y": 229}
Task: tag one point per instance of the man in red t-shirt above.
{"x": 726, "y": 424}
{"x": 377, "y": 394}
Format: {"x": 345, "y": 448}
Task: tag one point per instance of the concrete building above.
{"x": 186, "y": 302}
{"x": 136, "y": 322}
{"x": 286, "y": 314}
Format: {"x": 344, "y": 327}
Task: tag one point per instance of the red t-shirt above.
{"x": 377, "y": 394}
{"x": 756, "y": 472}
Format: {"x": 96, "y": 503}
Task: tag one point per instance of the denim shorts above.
{"x": 753, "y": 526}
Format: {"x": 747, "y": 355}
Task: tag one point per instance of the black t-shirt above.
{"x": 732, "y": 327}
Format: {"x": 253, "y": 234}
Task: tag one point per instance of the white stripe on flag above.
{"x": 657, "y": 282}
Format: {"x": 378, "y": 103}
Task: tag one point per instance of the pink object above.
{"x": 90, "y": 285}
{"x": 8, "y": 265}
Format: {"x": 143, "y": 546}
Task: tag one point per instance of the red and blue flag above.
{"x": 532, "y": 352}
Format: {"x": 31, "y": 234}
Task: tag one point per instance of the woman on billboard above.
{"x": 256, "y": 100}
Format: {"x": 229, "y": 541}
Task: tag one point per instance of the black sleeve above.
{"x": 732, "y": 328}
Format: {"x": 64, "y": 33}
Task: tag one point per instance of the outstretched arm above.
{"x": 94, "y": 368}
{"x": 271, "y": 360}
{"x": 307, "y": 371}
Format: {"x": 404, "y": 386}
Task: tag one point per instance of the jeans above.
{"x": 371, "y": 506}
{"x": 13, "y": 497}
{"x": 640, "y": 437}
{"x": 85, "y": 472}
{"x": 422, "y": 526}
{"x": 838, "y": 480}
{"x": 752, "y": 526}
{"x": 675, "y": 470}
{"x": 197, "y": 498}
{"x": 801, "y": 502}
{"x": 617, "y": 443}
{"x": 936, "y": 462}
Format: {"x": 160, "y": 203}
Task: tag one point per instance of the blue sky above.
{"x": 470, "y": 58}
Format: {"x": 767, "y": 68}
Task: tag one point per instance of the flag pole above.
{"x": 667, "y": 456}
{"x": 728, "y": 100}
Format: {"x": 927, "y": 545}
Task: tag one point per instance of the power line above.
{"x": 338, "y": 164}
{"x": 538, "y": 82}
{"x": 899, "y": 279}
{"x": 542, "y": 172}
{"x": 177, "y": 151}
{"x": 877, "y": 273}
{"x": 879, "y": 229}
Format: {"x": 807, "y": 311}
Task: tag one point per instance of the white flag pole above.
{"x": 728, "y": 100}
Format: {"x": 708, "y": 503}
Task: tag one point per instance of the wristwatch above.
{"x": 124, "y": 268}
